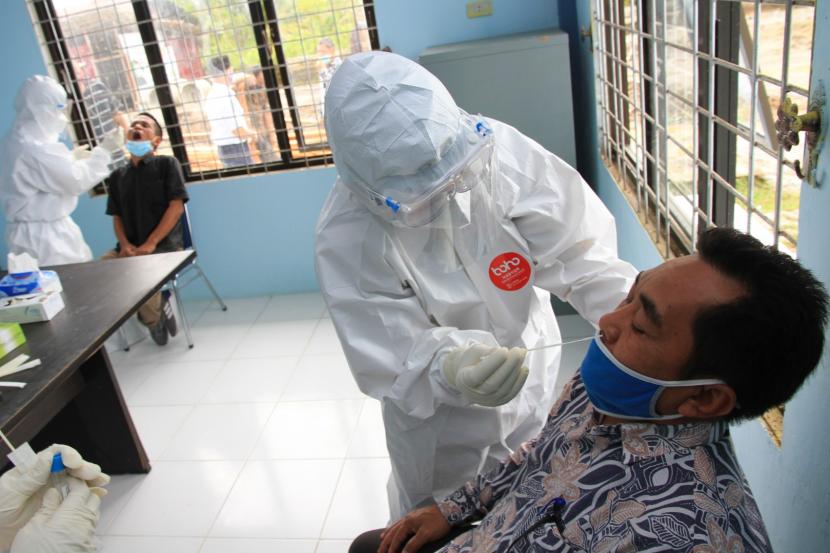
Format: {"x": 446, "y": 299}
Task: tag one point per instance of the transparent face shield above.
{"x": 422, "y": 200}
{"x": 458, "y": 220}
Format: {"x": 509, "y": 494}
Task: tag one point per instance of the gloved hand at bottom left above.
{"x": 22, "y": 488}
{"x": 62, "y": 525}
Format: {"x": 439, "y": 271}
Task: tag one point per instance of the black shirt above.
{"x": 141, "y": 194}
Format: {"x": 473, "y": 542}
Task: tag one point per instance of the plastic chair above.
{"x": 178, "y": 282}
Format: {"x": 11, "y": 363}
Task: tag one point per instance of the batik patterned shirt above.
{"x": 627, "y": 487}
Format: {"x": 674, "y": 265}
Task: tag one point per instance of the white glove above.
{"x": 486, "y": 375}
{"x": 62, "y": 526}
{"x": 21, "y": 489}
{"x": 81, "y": 152}
{"x": 113, "y": 140}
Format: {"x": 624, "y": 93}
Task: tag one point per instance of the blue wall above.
{"x": 791, "y": 483}
{"x": 409, "y": 27}
{"x": 255, "y": 235}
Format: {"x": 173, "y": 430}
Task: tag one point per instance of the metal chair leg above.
{"x": 182, "y": 315}
{"x": 122, "y": 339}
{"x": 210, "y": 286}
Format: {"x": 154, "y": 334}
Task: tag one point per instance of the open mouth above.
{"x": 136, "y": 135}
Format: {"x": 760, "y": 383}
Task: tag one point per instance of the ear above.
{"x": 155, "y": 142}
{"x": 712, "y": 401}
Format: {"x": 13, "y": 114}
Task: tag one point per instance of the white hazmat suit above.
{"x": 41, "y": 179}
{"x": 402, "y": 298}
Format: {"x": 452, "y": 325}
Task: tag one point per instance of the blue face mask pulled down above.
{"x": 619, "y": 391}
{"x": 139, "y": 148}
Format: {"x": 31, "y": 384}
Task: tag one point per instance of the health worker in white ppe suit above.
{"x": 37, "y": 518}
{"x": 41, "y": 179}
{"x": 436, "y": 252}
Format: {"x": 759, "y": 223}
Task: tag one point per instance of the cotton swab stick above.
{"x": 591, "y": 337}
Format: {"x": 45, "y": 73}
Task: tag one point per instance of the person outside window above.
{"x": 228, "y": 129}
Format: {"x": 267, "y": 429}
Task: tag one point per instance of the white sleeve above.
{"x": 393, "y": 349}
{"x": 570, "y": 233}
{"x": 53, "y": 169}
{"x": 238, "y": 114}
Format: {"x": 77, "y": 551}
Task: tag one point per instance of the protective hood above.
{"x": 394, "y": 129}
{"x": 40, "y": 104}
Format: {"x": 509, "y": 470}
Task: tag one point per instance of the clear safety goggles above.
{"x": 468, "y": 172}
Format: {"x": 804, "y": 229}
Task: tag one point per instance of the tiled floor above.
{"x": 259, "y": 439}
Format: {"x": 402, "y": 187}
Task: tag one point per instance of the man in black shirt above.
{"x": 146, "y": 201}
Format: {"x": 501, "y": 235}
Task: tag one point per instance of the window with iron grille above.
{"x": 688, "y": 92}
{"x": 238, "y": 85}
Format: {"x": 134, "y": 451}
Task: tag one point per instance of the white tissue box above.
{"x": 30, "y": 309}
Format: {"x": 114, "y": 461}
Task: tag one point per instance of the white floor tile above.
{"x": 320, "y": 377}
{"x": 324, "y": 340}
{"x": 133, "y": 544}
{"x": 157, "y": 424}
{"x": 130, "y": 378}
{"x": 360, "y": 502}
{"x": 249, "y": 380}
{"x": 221, "y": 432}
{"x": 274, "y": 339}
{"x": 177, "y": 499}
{"x": 214, "y": 342}
{"x": 309, "y": 430}
{"x": 279, "y": 499}
{"x": 241, "y": 311}
{"x": 210, "y": 343}
{"x": 242, "y": 545}
{"x": 176, "y": 383}
{"x": 369, "y": 439}
{"x": 293, "y": 307}
{"x": 120, "y": 489}
{"x": 267, "y": 381}
{"x": 194, "y": 309}
{"x": 333, "y": 546}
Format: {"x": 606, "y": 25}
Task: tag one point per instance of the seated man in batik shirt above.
{"x": 636, "y": 453}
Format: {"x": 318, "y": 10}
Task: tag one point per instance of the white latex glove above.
{"x": 81, "y": 152}
{"x": 486, "y": 375}
{"x": 21, "y": 489}
{"x": 113, "y": 140}
{"x": 62, "y": 526}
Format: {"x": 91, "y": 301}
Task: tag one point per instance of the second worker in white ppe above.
{"x": 41, "y": 179}
{"x": 437, "y": 251}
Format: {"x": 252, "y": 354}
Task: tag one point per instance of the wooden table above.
{"x": 73, "y": 397}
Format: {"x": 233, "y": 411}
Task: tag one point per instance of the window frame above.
{"x": 266, "y": 31}
{"x": 715, "y": 84}
{"x": 646, "y": 170}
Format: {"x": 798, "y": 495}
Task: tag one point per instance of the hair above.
{"x": 766, "y": 343}
{"x": 327, "y": 42}
{"x": 159, "y": 132}
{"x": 220, "y": 63}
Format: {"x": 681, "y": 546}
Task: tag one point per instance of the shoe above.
{"x": 159, "y": 332}
{"x": 168, "y": 316}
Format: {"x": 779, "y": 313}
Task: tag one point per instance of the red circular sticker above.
{"x": 510, "y": 271}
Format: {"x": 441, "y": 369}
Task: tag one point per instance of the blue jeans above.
{"x": 235, "y": 155}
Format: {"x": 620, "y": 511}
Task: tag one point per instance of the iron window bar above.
{"x": 627, "y": 145}
{"x": 264, "y": 27}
